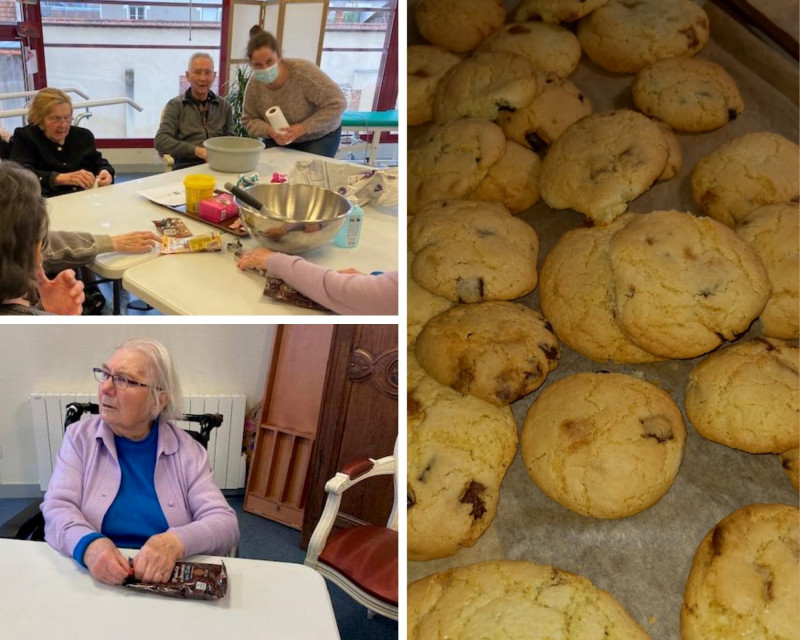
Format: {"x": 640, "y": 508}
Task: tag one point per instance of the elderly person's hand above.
{"x": 105, "y": 562}
{"x": 135, "y": 242}
{"x": 201, "y": 152}
{"x": 81, "y": 178}
{"x": 157, "y": 558}
{"x": 255, "y": 259}
{"x": 63, "y": 295}
{"x": 104, "y": 178}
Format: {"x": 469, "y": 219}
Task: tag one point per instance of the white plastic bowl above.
{"x": 231, "y": 154}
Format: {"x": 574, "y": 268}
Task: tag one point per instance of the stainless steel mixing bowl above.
{"x": 301, "y": 217}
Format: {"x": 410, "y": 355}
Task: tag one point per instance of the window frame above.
{"x": 388, "y": 75}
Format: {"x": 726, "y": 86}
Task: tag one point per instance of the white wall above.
{"x": 58, "y": 358}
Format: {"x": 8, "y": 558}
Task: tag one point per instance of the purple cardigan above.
{"x": 87, "y": 476}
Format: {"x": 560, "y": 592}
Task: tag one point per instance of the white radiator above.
{"x": 224, "y": 446}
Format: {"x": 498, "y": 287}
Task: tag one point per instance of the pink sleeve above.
{"x": 343, "y": 293}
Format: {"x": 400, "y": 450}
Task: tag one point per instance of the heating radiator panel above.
{"x": 224, "y": 447}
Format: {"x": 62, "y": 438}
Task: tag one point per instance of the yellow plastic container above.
{"x": 199, "y": 187}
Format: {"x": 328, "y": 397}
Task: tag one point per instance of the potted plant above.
{"x": 235, "y": 96}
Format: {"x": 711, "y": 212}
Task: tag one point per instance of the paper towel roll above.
{"x": 276, "y": 118}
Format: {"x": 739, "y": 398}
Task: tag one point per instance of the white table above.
{"x": 209, "y": 283}
{"x": 46, "y": 595}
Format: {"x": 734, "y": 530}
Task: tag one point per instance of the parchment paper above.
{"x": 644, "y": 560}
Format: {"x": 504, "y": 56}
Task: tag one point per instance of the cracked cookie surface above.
{"x": 683, "y": 284}
{"x": 555, "y": 10}
{"x": 557, "y": 104}
{"x": 484, "y": 85}
{"x": 513, "y": 181}
{"x": 458, "y": 25}
{"x": 602, "y": 162}
{"x": 459, "y": 448}
{"x": 510, "y": 600}
{"x": 577, "y": 296}
{"x": 745, "y": 173}
{"x": 471, "y": 251}
{"x": 426, "y": 65}
{"x": 745, "y": 396}
{"x": 496, "y": 351}
{"x": 547, "y": 46}
{"x": 774, "y": 233}
{"x": 689, "y": 94}
{"x": 623, "y": 36}
{"x": 451, "y": 160}
{"x": 603, "y": 444}
{"x": 743, "y": 582}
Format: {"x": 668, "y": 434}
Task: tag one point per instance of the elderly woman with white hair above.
{"x": 129, "y": 478}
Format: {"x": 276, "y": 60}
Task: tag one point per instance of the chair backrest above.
{"x": 207, "y": 421}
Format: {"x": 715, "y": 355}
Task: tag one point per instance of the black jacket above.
{"x": 32, "y": 149}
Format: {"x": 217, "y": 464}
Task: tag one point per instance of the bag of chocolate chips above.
{"x": 193, "y": 580}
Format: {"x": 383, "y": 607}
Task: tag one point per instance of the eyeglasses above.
{"x": 201, "y": 72}
{"x": 118, "y": 380}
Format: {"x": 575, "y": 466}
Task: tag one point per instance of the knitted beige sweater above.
{"x": 308, "y": 96}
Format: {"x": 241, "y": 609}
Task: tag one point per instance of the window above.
{"x": 355, "y": 48}
{"x": 136, "y": 12}
{"x": 134, "y": 51}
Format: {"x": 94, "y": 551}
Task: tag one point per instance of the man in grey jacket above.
{"x": 194, "y": 116}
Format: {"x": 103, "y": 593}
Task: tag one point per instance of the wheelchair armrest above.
{"x": 21, "y": 525}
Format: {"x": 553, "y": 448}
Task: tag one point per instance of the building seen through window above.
{"x": 140, "y": 50}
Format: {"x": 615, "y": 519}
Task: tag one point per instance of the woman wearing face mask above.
{"x": 311, "y": 102}
{"x": 63, "y": 157}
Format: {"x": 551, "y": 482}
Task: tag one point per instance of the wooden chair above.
{"x": 361, "y": 560}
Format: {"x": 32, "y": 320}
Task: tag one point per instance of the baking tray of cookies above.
{"x": 644, "y": 560}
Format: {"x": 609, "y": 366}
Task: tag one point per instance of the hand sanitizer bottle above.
{"x": 350, "y": 232}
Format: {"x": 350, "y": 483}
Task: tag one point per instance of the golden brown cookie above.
{"x": 459, "y": 448}
{"x": 496, "y": 351}
{"x": 605, "y": 445}
{"x": 458, "y": 25}
{"x": 746, "y": 173}
{"x": 470, "y": 251}
{"x": 514, "y": 599}
{"x": 747, "y": 396}
{"x": 683, "y": 284}
{"x": 602, "y": 162}
{"x": 774, "y": 233}
{"x": 743, "y": 582}
{"x": 624, "y": 35}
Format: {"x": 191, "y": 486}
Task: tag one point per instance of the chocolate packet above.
{"x": 191, "y": 580}
{"x": 279, "y": 290}
{"x": 195, "y": 244}
{"x": 172, "y": 228}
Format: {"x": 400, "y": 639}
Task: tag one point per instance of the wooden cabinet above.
{"x": 278, "y": 481}
{"x": 331, "y": 398}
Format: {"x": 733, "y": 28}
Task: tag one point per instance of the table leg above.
{"x": 117, "y": 288}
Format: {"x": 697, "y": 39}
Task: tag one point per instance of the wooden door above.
{"x": 358, "y": 420}
{"x": 277, "y": 485}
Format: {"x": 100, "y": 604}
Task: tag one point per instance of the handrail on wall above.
{"x": 25, "y": 94}
{"x": 78, "y": 105}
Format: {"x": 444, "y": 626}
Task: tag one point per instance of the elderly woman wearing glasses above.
{"x": 63, "y": 157}
{"x": 130, "y": 478}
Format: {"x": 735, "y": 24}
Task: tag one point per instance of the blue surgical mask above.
{"x": 268, "y": 75}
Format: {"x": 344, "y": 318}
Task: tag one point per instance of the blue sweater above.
{"x": 136, "y": 514}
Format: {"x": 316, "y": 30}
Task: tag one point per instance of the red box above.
{"x": 221, "y": 207}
